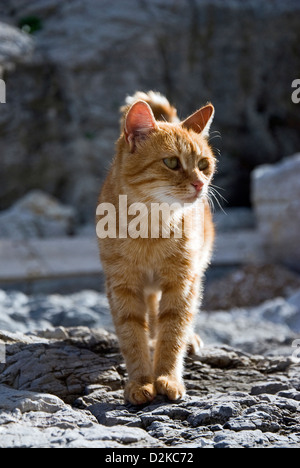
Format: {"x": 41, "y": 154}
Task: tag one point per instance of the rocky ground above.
{"x": 62, "y": 386}
{"x": 250, "y": 285}
{"x": 254, "y": 308}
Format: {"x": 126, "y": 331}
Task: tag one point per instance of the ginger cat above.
{"x": 154, "y": 283}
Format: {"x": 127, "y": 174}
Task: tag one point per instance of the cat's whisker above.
{"x": 212, "y": 136}
{"x": 216, "y": 149}
{"x": 215, "y": 136}
{"x": 218, "y": 203}
{"x": 221, "y": 196}
{"x": 210, "y": 202}
{"x": 213, "y": 193}
{"x": 216, "y": 186}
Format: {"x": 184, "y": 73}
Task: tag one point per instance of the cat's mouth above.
{"x": 180, "y": 196}
{"x": 191, "y": 198}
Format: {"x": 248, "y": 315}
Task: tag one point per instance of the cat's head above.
{"x": 167, "y": 162}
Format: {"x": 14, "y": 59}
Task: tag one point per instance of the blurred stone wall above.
{"x": 276, "y": 199}
{"x": 58, "y": 127}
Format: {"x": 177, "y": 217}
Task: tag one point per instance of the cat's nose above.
{"x": 198, "y": 184}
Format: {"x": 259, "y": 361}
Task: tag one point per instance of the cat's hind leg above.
{"x": 195, "y": 343}
{"x": 152, "y": 298}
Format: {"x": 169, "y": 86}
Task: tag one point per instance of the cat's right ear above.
{"x": 201, "y": 120}
{"x": 139, "y": 122}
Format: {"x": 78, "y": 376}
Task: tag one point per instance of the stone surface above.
{"x": 276, "y": 198}
{"x": 237, "y": 247}
{"x": 268, "y": 328}
{"x": 71, "y": 263}
{"x": 53, "y": 265}
{"x": 63, "y": 388}
{"x": 250, "y": 285}
{"x": 233, "y": 219}
{"x": 21, "y": 312}
{"x": 37, "y": 420}
{"x": 61, "y": 117}
{"x": 37, "y": 215}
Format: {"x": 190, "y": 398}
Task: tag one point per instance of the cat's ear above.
{"x": 139, "y": 122}
{"x": 201, "y": 120}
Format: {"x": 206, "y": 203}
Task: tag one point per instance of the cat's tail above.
{"x": 159, "y": 104}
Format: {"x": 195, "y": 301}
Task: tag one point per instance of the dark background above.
{"x": 58, "y": 128}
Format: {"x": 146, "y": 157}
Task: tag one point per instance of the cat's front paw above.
{"x": 138, "y": 394}
{"x": 171, "y": 387}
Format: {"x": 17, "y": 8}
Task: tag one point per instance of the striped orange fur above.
{"x": 154, "y": 285}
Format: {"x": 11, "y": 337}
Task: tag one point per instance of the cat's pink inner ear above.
{"x": 201, "y": 120}
{"x": 139, "y": 122}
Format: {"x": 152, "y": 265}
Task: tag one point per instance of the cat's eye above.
{"x": 172, "y": 163}
{"x": 203, "y": 164}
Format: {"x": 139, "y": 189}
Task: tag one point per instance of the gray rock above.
{"x": 245, "y": 439}
{"x": 11, "y": 400}
{"x": 36, "y": 420}
{"x": 292, "y": 394}
{"x": 37, "y": 215}
{"x": 213, "y": 414}
{"x": 294, "y": 321}
{"x": 251, "y": 284}
{"x": 232, "y": 219}
{"x": 19, "y": 312}
{"x": 32, "y": 368}
{"x": 266, "y": 329}
{"x": 269, "y": 328}
{"x": 51, "y": 386}
{"x": 276, "y": 195}
{"x": 269, "y": 387}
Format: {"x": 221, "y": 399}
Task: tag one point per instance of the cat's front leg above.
{"x": 129, "y": 316}
{"x": 175, "y": 319}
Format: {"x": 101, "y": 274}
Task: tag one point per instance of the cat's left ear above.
{"x": 139, "y": 122}
{"x": 201, "y": 120}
